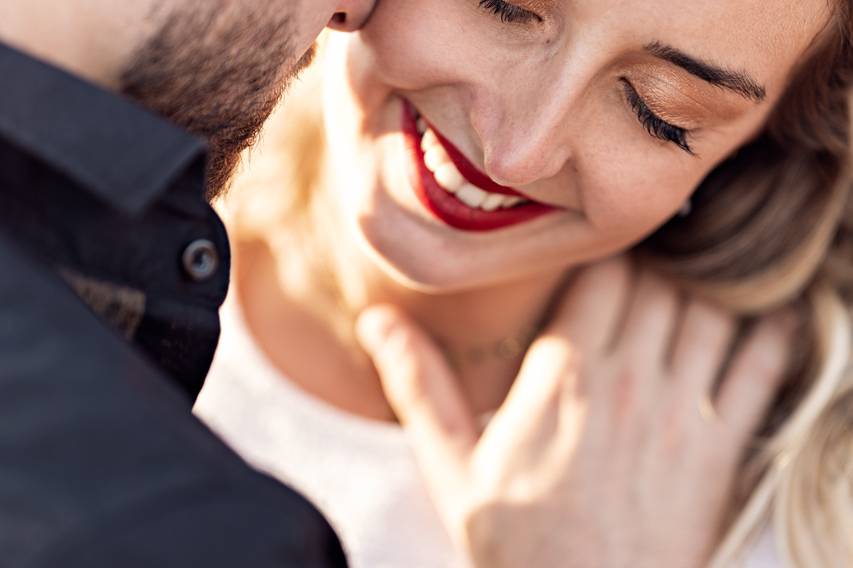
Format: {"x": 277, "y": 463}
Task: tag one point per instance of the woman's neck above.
{"x": 483, "y": 332}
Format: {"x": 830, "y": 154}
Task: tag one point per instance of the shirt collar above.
{"x": 107, "y": 144}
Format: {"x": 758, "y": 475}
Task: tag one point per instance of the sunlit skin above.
{"x": 216, "y": 68}
{"x": 610, "y": 450}
{"x": 605, "y": 434}
{"x": 546, "y": 103}
{"x": 538, "y": 105}
{"x": 96, "y": 39}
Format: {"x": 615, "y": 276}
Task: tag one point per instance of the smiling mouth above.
{"x": 454, "y": 190}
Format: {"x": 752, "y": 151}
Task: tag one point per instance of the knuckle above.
{"x": 675, "y": 434}
{"x": 553, "y": 359}
{"x": 554, "y": 354}
{"x": 484, "y": 527}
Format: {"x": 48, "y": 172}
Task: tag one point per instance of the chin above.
{"x": 418, "y": 270}
{"x": 429, "y": 267}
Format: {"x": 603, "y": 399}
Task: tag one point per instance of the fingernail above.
{"x": 373, "y": 327}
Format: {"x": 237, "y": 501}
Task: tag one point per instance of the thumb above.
{"x": 422, "y": 390}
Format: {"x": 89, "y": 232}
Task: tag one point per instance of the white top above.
{"x": 361, "y": 474}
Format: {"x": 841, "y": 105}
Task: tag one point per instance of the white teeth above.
{"x": 493, "y": 202}
{"x": 471, "y": 196}
{"x": 449, "y": 178}
{"x": 435, "y": 158}
{"x": 512, "y": 202}
{"x": 430, "y": 141}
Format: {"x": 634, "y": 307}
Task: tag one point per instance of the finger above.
{"x": 703, "y": 341}
{"x": 422, "y": 390}
{"x": 584, "y": 325}
{"x": 590, "y": 311}
{"x": 529, "y": 413}
{"x": 646, "y": 336}
{"x": 755, "y": 375}
{"x": 593, "y": 306}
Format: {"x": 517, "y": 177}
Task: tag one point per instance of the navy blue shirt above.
{"x": 112, "y": 270}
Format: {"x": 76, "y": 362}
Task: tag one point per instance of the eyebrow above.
{"x": 735, "y": 81}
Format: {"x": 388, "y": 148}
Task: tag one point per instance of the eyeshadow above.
{"x": 679, "y": 98}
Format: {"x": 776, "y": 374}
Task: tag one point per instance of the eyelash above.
{"x": 653, "y": 124}
{"x": 509, "y": 13}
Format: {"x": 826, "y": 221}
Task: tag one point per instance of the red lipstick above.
{"x": 444, "y": 205}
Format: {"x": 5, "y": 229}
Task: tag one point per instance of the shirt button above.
{"x": 201, "y": 260}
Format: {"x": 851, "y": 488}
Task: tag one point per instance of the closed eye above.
{"x": 509, "y": 13}
{"x": 654, "y": 125}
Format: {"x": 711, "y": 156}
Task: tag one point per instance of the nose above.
{"x": 524, "y": 146}
{"x": 518, "y": 168}
{"x": 352, "y": 15}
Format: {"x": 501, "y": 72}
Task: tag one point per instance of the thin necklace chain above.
{"x": 506, "y": 349}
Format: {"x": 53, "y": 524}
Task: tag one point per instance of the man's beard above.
{"x": 218, "y": 70}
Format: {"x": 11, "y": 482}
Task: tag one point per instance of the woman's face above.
{"x": 551, "y": 132}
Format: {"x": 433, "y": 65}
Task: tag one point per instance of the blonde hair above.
{"x": 773, "y": 226}
{"x": 770, "y": 227}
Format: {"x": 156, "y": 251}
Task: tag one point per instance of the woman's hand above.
{"x": 609, "y": 451}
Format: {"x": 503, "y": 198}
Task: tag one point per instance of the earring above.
{"x": 686, "y": 209}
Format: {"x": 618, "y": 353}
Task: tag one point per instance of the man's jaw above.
{"x": 219, "y": 74}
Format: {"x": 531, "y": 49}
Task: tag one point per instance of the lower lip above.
{"x": 445, "y": 206}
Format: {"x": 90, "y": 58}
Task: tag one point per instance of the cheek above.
{"x": 626, "y": 197}
{"x": 410, "y": 46}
